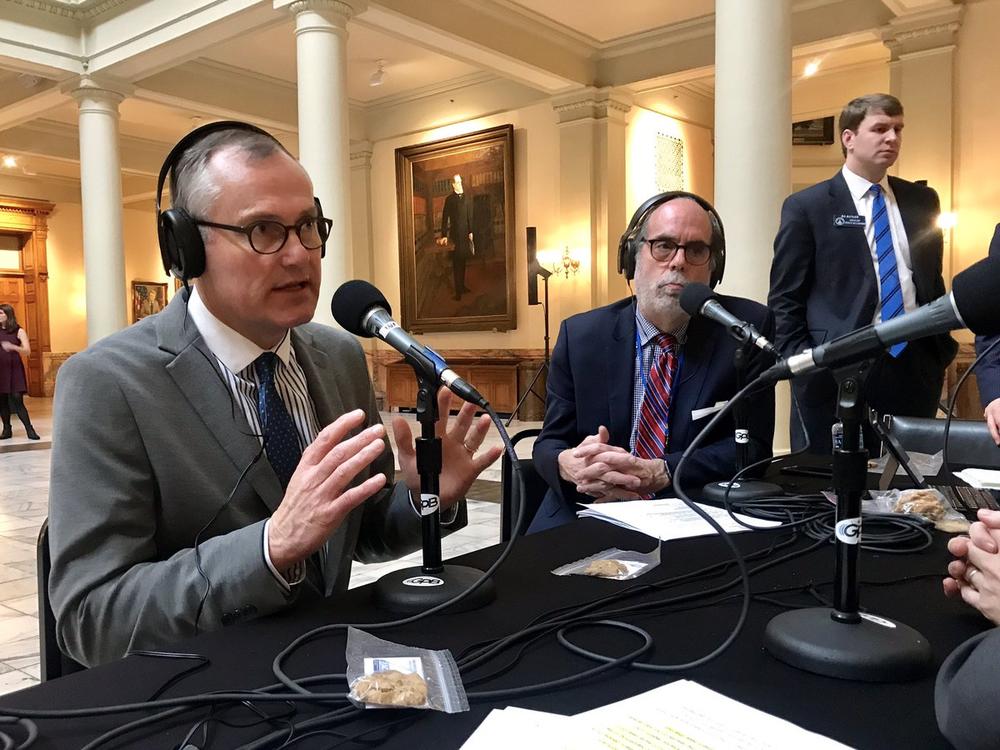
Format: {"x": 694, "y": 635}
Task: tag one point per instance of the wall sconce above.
{"x": 569, "y": 264}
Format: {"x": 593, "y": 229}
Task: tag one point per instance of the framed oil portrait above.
{"x": 455, "y": 199}
{"x": 148, "y": 297}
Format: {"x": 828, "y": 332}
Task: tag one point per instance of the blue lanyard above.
{"x": 642, "y": 371}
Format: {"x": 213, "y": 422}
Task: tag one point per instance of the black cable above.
{"x": 293, "y": 684}
{"x": 954, "y": 398}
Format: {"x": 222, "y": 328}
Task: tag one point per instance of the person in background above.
{"x": 860, "y": 248}
{"x": 13, "y": 383}
{"x": 633, "y": 383}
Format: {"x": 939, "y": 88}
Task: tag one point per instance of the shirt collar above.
{"x": 858, "y": 185}
{"x": 233, "y": 349}
{"x": 647, "y": 331}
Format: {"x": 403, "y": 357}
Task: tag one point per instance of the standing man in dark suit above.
{"x": 854, "y": 250}
{"x": 633, "y": 383}
{"x": 988, "y": 371}
{"x": 456, "y": 227}
{"x": 224, "y": 459}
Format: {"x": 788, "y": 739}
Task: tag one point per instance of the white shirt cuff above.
{"x": 294, "y": 575}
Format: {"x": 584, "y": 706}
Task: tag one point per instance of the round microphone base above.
{"x": 875, "y": 649}
{"x": 715, "y": 492}
{"x": 411, "y": 590}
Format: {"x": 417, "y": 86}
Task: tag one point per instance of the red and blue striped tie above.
{"x": 653, "y": 429}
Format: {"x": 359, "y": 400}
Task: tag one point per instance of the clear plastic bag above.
{"x": 620, "y": 565}
{"x": 928, "y": 504}
{"x": 383, "y": 674}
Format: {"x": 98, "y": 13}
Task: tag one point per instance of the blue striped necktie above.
{"x": 891, "y": 293}
{"x": 281, "y": 439}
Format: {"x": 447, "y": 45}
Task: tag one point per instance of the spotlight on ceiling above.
{"x": 378, "y": 77}
{"x": 812, "y": 67}
{"x": 9, "y": 161}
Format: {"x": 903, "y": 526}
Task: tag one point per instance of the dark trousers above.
{"x": 907, "y": 385}
{"x": 458, "y": 258}
{"x": 13, "y": 403}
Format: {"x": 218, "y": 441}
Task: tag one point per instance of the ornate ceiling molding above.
{"x": 79, "y": 9}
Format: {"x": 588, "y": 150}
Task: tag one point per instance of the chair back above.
{"x": 969, "y": 441}
{"x": 510, "y": 489}
{"x": 54, "y": 663}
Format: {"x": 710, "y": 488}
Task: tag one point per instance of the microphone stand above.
{"x": 416, "y": 589}
{"x": 720, "y": 492}
{"x": 545, "y": 363}
{"x": 843, "y": 642}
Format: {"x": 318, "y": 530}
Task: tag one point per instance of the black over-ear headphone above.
{"x": 182, "y": 248}
{"x": 628, "y": 246}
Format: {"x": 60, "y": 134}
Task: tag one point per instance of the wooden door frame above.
{"x": 30, "y": 218}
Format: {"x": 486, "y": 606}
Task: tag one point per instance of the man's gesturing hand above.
{"x": 317, "y": 499}
{"x": 461, "y": 458}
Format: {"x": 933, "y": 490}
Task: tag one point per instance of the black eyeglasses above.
{"x": 663, "y": 249}
{"x": 268, "y": 237}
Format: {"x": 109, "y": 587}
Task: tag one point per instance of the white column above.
{"x": 101, "y": 199}
{"x": 753, "y": 147}
{"x": 753, "y": 134}
{"x": 321, "y": 49}
{"x": 592, "y": 211}
{"x": 922, "y": 76}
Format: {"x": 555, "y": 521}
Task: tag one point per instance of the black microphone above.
{"x": 970, "y": 304}
{"x": 699, "y": 299}
{"x": 362, "y": 309}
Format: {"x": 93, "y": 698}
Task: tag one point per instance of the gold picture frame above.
{"x": 452, "y": 280}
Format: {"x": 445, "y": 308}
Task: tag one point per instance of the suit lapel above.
{"x": 320, "y": 377}
{"x": 850, "y": 241}
{"x": 698, "y": 351}
{"x": 194, "y": 370}
{"x": 620, "y": 354}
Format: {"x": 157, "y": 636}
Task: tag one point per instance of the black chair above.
{"x": 54, "y": 663}
{"x": 969, "y": 441}
{"x": 510, "y": 489}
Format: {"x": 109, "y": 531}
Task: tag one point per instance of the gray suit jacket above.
{"x": 148, "y": 449}
{"x": 965, "y": 697}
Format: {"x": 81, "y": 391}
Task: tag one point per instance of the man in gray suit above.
{"x": 175, "y": 504}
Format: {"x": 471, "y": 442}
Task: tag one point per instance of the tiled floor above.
{"x": 24, "y": 496}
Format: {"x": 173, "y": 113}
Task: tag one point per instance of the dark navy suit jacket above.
{"x": 591, "y": 380}
{"x": 823, "y": 285}
{"x": 988, "y": 371}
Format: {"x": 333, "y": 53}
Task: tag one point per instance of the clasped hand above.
{"x": 975, "y": 573}
{"x": 319, "y": 495}
{"x": 608, "y": 472}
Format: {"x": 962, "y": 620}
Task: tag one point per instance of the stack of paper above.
{"x": 988, "y": 479}
{"x": 680, "y": 716}
{"x": 668, "y": 518}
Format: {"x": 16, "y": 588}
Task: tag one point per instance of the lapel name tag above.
{"x": 849, "y": 220}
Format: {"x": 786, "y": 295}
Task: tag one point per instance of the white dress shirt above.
{"x": 860, "y": 189}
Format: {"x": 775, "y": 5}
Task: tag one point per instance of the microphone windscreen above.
{"x": 694, "y": 296}
{"x": 976, "y": 291}
{"x": 352, "y": 301}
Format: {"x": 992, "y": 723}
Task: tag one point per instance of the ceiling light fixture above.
{"x": 378, "y": 77}
{"x": 812, "y": 67}
{"x": 9, "y": 161}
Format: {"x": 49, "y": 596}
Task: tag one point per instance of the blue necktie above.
{"x": 281, "y": 439}
{"x": 891, "y": 292}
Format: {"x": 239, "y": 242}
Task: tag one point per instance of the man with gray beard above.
{"x": 633, "y": 383}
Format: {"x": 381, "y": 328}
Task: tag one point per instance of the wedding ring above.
{"x": 472, "y": 451}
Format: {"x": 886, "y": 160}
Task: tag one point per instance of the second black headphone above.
{"x": 182, "y": 248}
{"x": 628, "y": 245}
